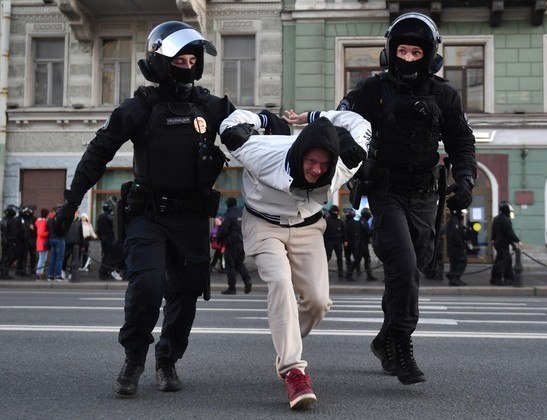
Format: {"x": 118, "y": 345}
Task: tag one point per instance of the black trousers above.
{"x": 403, "y": 235}
{"x": 337, "y": 246}
{"x": 234, "y": 256}
{"x": 167, "y": 256}
{"x": 503, "y": 265}
{"x": 458, "y": 263}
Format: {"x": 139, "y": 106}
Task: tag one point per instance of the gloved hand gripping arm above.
{"x": 64, "y": 216}
{"x": 350, "y": 152}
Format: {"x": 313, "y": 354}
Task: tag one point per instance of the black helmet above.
{"x": 11, "y": 210}
{"x": 107, "y": 208}
{"x": 28, "y": 210}
{"x": 366, "y": 213}
{"x": 169, "y": 40}
{"x": 505, "y": 208}
{"x": 413, "y": 29}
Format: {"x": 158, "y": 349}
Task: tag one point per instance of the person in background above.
{"x": 10, "y": 231}
{"x": 88, "y": 235}
{"x": 218, "y": 248}
{"x": 42, "y": 243}
{"x": 57, "y": 247}
{"x": 503, "y": 236}
{"x": 362, "y": 250}
{"x": 456, "y": 247}
{"x": 351, "y": 231}
{"x": 229, "y": 235}
{"x": 110, "y": 253}
{"x": 27, "y": 251}
{"x": 74, "y": 240}
{"x": 335, "y": 238}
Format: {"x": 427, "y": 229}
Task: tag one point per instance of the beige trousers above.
{"x": 290, "y": 260}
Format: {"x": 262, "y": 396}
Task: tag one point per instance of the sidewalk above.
{"x": 534, "y": 282}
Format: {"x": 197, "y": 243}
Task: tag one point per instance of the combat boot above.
{"x": 167, "y": 379}
{"x": 128, "y": 379}
{"x": 382, "y": 348}
{"x": 408, "y": 371}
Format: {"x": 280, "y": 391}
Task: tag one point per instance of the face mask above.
{"x": 183, "y": 75}
{"x": 409, "y": 70}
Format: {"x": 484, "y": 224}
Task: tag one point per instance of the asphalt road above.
{"x": 484, "y": 358}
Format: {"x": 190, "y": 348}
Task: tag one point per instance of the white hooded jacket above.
{"x": 267, "y": 182}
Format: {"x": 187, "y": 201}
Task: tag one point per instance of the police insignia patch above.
{"x": 200, "y": 125}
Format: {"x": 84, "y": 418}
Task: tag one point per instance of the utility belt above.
{"x": 307, "y": 221}
{"x": 411, "y": 182}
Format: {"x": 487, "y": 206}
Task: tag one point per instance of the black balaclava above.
{"x": 188, "y": 76}
{"x": 320, "y": 134}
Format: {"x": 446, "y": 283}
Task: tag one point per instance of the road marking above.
{"x": 264, "y": 331}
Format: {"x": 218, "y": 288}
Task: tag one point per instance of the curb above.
{"x": 338, "y": 289}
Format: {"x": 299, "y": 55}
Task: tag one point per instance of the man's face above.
{"x": 316, "y": 163}
{"x": 410, "y": 52}
{"x": 184, "y": 61}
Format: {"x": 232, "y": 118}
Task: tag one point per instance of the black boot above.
{"x": 407, "y": 371}
{"x": 248, "y": 287}
{"x": 167, "y": 379}
{"x": 382, "y": 349}
{"x": 128, "y": 379}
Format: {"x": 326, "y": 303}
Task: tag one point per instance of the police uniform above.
{"x": 167, "y": 207}
{"x": 410, "y": 111}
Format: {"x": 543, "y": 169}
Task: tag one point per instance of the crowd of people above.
{"x": 32, "y": 247}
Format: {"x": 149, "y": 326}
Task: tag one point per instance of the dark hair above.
{"x": 44, "y": 213}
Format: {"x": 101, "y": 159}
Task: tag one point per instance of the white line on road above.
{"x": 264, "y": 331}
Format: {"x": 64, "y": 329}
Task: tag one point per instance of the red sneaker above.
{"x": 299, "y": 389}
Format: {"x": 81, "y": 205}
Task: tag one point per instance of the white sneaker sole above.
{"x": 302, "y": 401}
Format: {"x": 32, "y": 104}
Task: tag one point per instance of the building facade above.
{"x": 65, "y": 65}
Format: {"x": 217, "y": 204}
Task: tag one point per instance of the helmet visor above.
{"x": 174, "y": 42}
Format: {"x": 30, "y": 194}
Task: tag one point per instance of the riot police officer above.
{"x": 503, "y": 236}
{"x": 410, "y": 110}
{"x": 167, "y": 207}
{"x": 10, "y": 230}
{"x": 456, "y": 247}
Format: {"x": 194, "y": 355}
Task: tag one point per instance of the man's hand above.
{"x": 292, "y": 117}
{"x": 274, "y": 124}
{"x": 462, "y": 193}
{"x": 350, "y": 152}
{"x": 64, "y": 216}
{"x": 234, "y": 137}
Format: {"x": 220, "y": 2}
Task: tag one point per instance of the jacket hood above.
{"x": 320, "y": 134}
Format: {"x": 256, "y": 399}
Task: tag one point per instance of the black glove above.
{"x": 64, "y": 216}
{"x": 350, "y": 152}
{"x": 463, "y": 196}
{"x": 274, "y": 124}
{"x": 234, "y": 137}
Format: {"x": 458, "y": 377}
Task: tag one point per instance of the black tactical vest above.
{"x": 179, "y": 151}
{"x": 409, "y": 132}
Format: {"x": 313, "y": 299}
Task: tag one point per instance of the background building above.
{"x": 65, "y": 64}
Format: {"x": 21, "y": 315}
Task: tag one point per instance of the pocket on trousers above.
{"x": 196, "y": 274}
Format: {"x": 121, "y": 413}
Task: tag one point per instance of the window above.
{"x": 238, "y": 68}
{"x": 464, "y": 68}
{"x": 360, "y": 63}
{"x": 49, "y": 56}
{"x": 108, "y": 185}
{"x": 115, "y": 68}
{"x": 229, "y": 183}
